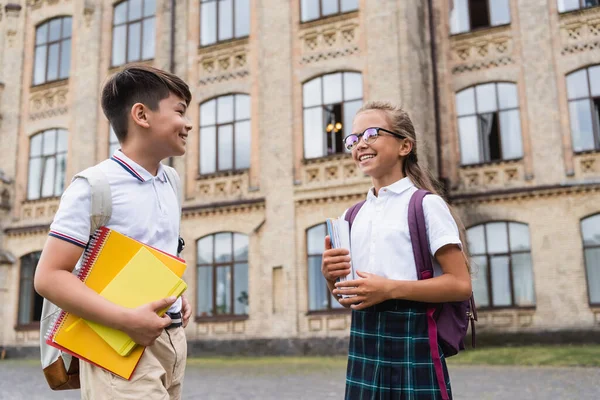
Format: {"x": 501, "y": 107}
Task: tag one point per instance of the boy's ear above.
{"x": 139, "y": 114}
{"x": 405, "y": 148}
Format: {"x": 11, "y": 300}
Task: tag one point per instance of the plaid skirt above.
{"x": 389, "y": 355}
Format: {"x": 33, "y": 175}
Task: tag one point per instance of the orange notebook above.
{"x": 107, "y": 253}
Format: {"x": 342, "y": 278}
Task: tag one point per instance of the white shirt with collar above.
{"x": 144, "y": 207}
{"x": 380, "y": 237}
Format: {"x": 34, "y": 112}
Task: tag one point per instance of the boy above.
{"x": 146, "y": 108}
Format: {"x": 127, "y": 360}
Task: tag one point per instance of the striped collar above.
{"x": 136, "y": 170}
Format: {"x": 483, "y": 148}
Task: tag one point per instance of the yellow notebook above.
{"x": 106, "y": 255}
{"x": 128, "y": 290}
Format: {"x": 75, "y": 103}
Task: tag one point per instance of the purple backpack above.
{"x": 449, "y": 321}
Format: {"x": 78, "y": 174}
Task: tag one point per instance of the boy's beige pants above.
{"x": 158, "y": 376}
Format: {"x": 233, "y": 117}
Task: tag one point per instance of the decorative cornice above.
{"x": 330, "y": 199}
{"x": 25, "y": 230}
{"x": 225, "y": 207}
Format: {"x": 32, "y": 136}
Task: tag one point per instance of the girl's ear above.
{"x": 405, "y": 148}
{"x": 139, "y": 115}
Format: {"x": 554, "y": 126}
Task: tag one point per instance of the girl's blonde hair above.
{"x": 401, "y": 123}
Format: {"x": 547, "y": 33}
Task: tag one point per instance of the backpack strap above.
{"x": 101, "y": 197}
{"x": 352, "y": 212}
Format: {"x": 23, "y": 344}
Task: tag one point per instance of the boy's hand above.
{"x": 186, "y": 310}
{"x": 336, "y": 262}
{"x": 370, "y": 290}
{"x": 143, "y": 325}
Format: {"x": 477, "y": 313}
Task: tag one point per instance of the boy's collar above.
{"x": 396, "y": 187}
{"x": 136, "y": 170}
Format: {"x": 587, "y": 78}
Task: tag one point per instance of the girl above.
{"x": 389, "y": 356}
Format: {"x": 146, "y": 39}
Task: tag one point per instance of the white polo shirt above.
{"x": 380, "y": 238}
{"x": 144, "y": 207}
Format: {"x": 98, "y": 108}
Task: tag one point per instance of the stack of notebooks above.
{"x": 338, "y": 230}
{"x": 128, "y": 273}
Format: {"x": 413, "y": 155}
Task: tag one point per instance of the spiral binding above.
{"x": 88, "y": 259}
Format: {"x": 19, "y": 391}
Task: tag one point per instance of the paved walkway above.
{"x": 23, "y": 380}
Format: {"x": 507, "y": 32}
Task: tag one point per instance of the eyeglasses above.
{"x": 369, "y": 136}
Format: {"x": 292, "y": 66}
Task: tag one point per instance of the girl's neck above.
{"x": 384, "y": 181}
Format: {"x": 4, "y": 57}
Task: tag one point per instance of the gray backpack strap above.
{"x": 175, "y": 182}
{"x": 101, "y": 197}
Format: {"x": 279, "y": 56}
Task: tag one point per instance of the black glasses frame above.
{"x": 377, "y": 129}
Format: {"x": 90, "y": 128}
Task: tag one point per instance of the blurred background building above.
{"x": 505, "y": 95}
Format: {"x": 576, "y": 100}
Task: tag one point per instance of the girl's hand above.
{"x": 336, "y": 262}
{"x": 371, "y": 290}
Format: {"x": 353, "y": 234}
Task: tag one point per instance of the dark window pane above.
{"x": 225, "y": 19}
{"x": 39, "y": 72}
{"x": 510, "y": 127}
{"x": 591, "y": 3}
{"x": 479, "y": 13}
{"x": 205, "y": 250}
{"x": 523, "y": 279}
{"x": 459, "y": 17}
{"x": 592, "y": 263}
{"x": 149, "y": 8}
{"x": 134, "y": 42}
{"x": 496, "y": 237}
{"x": 41, "y": 34}
{"x": 223, "y": 247}
{"x": 488, "y": 126}
{"x": 119, "y": 42}
{"x": 208, "y": 150}
{"x": 225, "y": 140}
{"x": 53, "y": 51}
{"x": 499, "y": 12}
{"x": 577, "y": 84}
{"x": 500, "y": 280}
{"x": 223, "y": 291}
{"x": 469, "y": 141}
{"x": 590, "y": 228}
{"x": 65, "y": 59}
{"x": 329, "y": 7}
{"x": 208, "y": 23}
{"x": 242, "y": 145}
{"x": 310, "y": 10}
{"x": 120, "y": 13}
{"x": 135, "y": 9}
{"x": 240, "y": 287}
{"x": 54, "y": 30}
{"x": 242, "y": 18}
{"x": 25, "y": 298}
{"x": 66, "y": 27}
{"x": 582, "y": 130}
{"x": 333, "y": 120}
{"x": 349, "y": 5}
{"x": 204, "y": 293}
{"x": 149, "y": 39}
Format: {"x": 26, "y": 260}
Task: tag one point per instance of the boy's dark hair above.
{"x": 138, "y": 84}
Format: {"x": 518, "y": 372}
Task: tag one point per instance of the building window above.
{"x": 30, "y": 303}
{"x": 590, "y": 229}
{"x": 222, "y": 20}
{"x": 317, "y": 9}
{"x": 330, "y": 103}
{"x": 47, "y": 164}
{"x": 501, "y": 259}
{"x": 225, "y": 134}
{"x": 222, "y": 278}
{"x": 133, "y": 31}
{"x": 52, "y": 51}
{"x": 489, "y": 124}
{"x": 468, "y": 15}
{"x": 319, "y": 297}
{"x": 113, "y": 142}
{"x": 570, "y": 5}
{"x": 583, "y": 90}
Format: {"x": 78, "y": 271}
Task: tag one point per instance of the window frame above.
{"x": 508, "y": 254}
{"x": 321, "y": 16}
{"x": 47, "y": 44}
{"x": 44, "y": 158}
{"x": 127, "y": 23}
{"x": 32, "y": 323}
{"x": 214, "y": 267}
{"x": 233, "y": 26}
{"x": 579, "y": 8}
{"x": 490, "y": 26}
{"x": 216, "y": 125}
{"x": 482, "y": 143}
{"x": 323, "y": 106}
{"x": 592, "y": 99}
{"x": 585, "y": 262}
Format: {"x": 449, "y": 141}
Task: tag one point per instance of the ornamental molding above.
{"x": 223, "y": 208}
{"x": 223, "y": 62}
{"x": 48, "y": 103}
{"x": 334, "y": 198}
{"x": 329, "y": 40}
{"x": 497, "y": 175}
{"x": 580, "y": 31}
{"x": 489, "y": 48}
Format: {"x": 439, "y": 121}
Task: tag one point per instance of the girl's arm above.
{"x": 453, "y": 285}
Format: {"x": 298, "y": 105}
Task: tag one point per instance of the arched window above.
{"x": 583, "y": 90}
{"x": 489, "y": 124}
{"x": 468, "y": 15}
{"x": 590, "y": 230}
{"x": 52, "y": 50}
{"x": 133, "y": 31}
{"x": 222, "y": 275}
{"x": 311, "y": 10}
{"x": 30, "y": 303}
{"x": 501, "y": 258}
{"x": 222, "y": 20}
{"x": 330, "y": 103}
{"x": 47, "y": 164}
{"x": 570, "y": 5}
{"x": 225, "y": 134}
{"x": 319, "y": 297}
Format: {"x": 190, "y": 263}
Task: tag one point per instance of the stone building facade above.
{"x": 504, "y": 95}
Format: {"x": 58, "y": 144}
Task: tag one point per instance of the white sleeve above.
{"x": 72, "y": 220}
{"x": 441, "y": 227}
